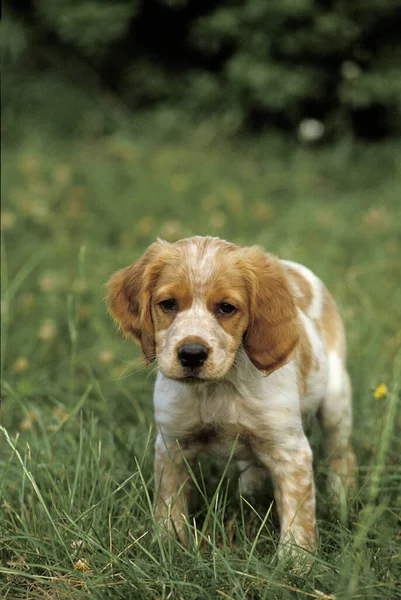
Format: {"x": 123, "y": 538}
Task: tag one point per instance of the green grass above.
{"x": 76, "y": 464}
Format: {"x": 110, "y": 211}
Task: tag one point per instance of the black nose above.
{"x": 192, "y": 355}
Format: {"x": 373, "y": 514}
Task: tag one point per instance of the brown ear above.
{"x": 272, "y": 336}
{"x": 129, "y": 296}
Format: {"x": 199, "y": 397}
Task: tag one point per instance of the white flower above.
{"x": 310, "y": 130}
{"x": 77, "y": 544}
{"x": 324, "y": 596}
{"x": 48, "y": 282}
{"x": 47, "y": 330}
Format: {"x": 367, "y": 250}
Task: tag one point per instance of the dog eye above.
{"x": 226, "y": 309}
{"x": 169, "y": 305}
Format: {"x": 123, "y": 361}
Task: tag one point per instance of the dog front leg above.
{"x": 172, "y": 485}
{"x": 291, "y": 471}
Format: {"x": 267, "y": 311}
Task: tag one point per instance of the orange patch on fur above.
{"x": 273, "y": 332}
{"x": 345, "y": 466}
{"x": 173, "y": 489}
{"x": 331, "y": 324}
{"x": 129, "y": 292}
{"x": 173, "y": 282}
{"x": 304, "y": 360}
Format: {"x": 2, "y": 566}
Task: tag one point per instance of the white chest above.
{"x": 215, "y": 416}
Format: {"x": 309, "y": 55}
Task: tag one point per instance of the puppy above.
{"x": 247, "y": 345}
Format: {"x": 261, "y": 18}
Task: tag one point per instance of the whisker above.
{"x": 124, "y": 374}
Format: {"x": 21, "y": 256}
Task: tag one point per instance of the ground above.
{"x": 77, "y": 431}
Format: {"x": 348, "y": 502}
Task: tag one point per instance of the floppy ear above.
{"x": 129, "y": 295}
{"x": 272, "y": 336}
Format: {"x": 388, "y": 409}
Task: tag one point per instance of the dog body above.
{"x": 247, "y": 345}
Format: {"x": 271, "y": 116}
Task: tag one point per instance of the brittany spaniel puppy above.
{"x": 247, "y": 345}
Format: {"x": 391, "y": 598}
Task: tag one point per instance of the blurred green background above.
{"x": 273, "y": 123}
{"x": 243, "y": 66}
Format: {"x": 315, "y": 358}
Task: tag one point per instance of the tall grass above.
{"x": 77, "y": 430}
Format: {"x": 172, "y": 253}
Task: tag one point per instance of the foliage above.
{"x": 245, "y": 64}
{"x": 91, "y": 26}
{"x": 76, "y": 468}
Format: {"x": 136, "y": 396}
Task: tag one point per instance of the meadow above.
{"x": 76, "y": 442}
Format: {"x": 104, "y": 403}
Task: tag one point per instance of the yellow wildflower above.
{"x": 25, "y": 425}
{"x": 381, "y": 391}
{"x": 82, "y": 565}
{"x": 21, "y": 365}
{"x": 106, "y": 357}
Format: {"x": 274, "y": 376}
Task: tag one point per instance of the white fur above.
{"x": 246, "y": 400}
{"x": 315, "y": 309}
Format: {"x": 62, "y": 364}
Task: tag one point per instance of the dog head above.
{"x": 193, "y": 303}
